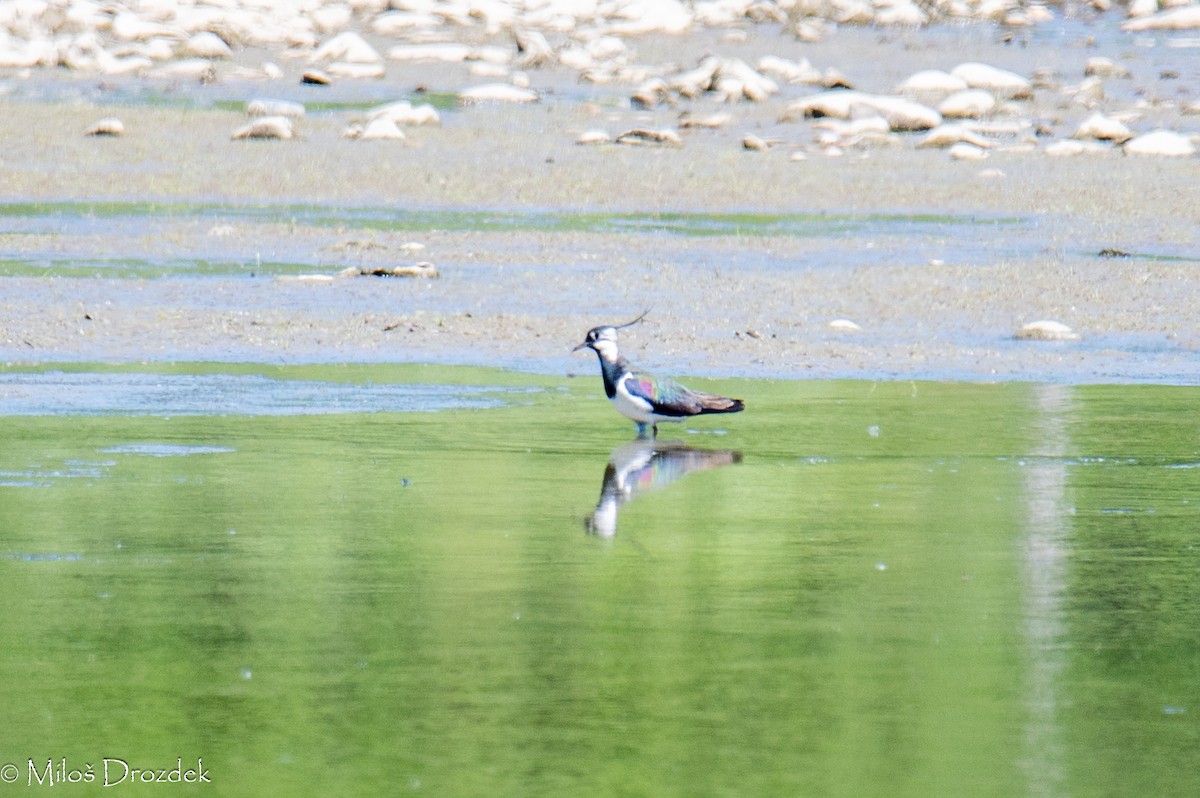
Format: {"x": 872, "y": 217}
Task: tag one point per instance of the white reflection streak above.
{"x": 1044, "y": 569}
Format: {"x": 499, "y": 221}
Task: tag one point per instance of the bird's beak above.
{"x": 583, "y": 345}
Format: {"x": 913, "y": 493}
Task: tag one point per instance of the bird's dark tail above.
{"x": 721, "y": 404}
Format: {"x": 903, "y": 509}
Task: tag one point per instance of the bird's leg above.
{"x": 643, "y": 429}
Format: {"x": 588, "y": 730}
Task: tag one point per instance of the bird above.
{"x": 640, "y": 396}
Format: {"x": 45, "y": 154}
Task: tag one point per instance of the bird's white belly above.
{"x": 636, "y": 408}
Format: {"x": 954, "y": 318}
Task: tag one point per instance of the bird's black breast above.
{"x": 611, "y": 372}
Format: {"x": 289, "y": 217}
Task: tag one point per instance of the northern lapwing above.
{"x": 640, "y": 396}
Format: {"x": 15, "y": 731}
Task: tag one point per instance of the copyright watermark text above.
{"x": 105, "y": 772}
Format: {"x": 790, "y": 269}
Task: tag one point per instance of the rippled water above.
{"x": 850, "y": 589}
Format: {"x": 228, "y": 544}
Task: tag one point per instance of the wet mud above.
{"x": 173, "y": 243}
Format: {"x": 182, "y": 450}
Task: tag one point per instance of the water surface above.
{"x": 853, "y": 588}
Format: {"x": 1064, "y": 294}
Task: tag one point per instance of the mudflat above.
{"x": 742, "y": 256}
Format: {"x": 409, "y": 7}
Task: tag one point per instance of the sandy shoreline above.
{"x": 1022, "y": 242}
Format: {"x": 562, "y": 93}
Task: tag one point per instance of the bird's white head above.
{"x": 603, "y": 340}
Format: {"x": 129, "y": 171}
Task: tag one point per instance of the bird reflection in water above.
{"x": 643, "y": 465}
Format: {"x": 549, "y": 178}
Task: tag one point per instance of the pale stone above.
{"x": 498, "y": 92}
{"x": 1186, "y": 18}
{"x": 932, "y": 81}
{"x": 1161, "y": 142}
{"x": 109, "y": 126}
{"x": 968, "y": 104}
{"x": 1103, "y": 128}
{"x": 347, "y": 47}
{"x": 1001, "y": 81}
{"x": 593, "y": 137}
{"x": 267, "y": 107}
{"x": 1046, "y": 330}
{"x": 207, "y": 45}
{"x": 266, "y": 127}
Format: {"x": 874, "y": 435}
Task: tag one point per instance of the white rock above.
{"x": 350, "y": 69}
{"x": 852, "y": 128}
{"x": 498, "y": 93}
{"x": 405, "y": 113}
{"x": 109, "y": 126}
{"x": 789, "y": 71}
{"x": 755, "y": 142}
{"x": 901, "y": 114}
{"x": 394, "y": 23}
{"x": 1046, "y": 330}
{"x": 534, "y": 48}
{"x": 207, "y": 45}
{"x": 1186, "y": 18}
{"x": 636, "y": 17}
{"x": 967, "y": 152}
{"x": 968, "y": 104}
{"x": 952, "y": 134}
{"x": 129, "y": 26}
{"x": 382, "y": 129}
{"x": 197, "y": 69}
{"x": 844, "y": 325}
{"x": 15, "y": 53}
{"x": 719, "y": 119}
{"x": 932, "y": 81}
{"x": 1103, "y": 128}
{"x": 133, "y": 64}
{"x": 1104, "y": 68}
{"x": 1089, "y": 93}
{"x": 347, "y": 47}
{"x": 643, "y": 135}
{"x": 994, "y": 79}
{"x": 1161, "y": 142}
{"x": 593, "y": 137}
{"x": 331, "y": 17}
{"x": 1141, "y": 8}
{"x": 900, "y": 12}
{"x": 268, "y": 107}
{"x": 447, "y": 52}
{"x": 490, "y": 54}
{"x": 1067, "y": 149}
{"x": 266, "y": 127}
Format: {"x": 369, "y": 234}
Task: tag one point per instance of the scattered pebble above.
{"x": 268, "y": 107}
{"x": 382, "y": 129}
{"x": 497, "y": 93}
{"x": 593, "y": 137}
{"x": 967, "y": 104}
{"x": 1102, "y": 67}
{"x": 754, "y": 142}
{"x": 109, "y": 126}
{"x": 405, "y": 113}
{"x": 1068, "y": 148}
{"x": 266, "y": 127}
{"x": 1161, "y": 142}
{"x": 967, "y": 152}
{"x": 316, "y": 77}
{"x": 1046, "y": 330}
{"x": 1103, "y": 128}
{"x": 1001, "y": 81}
{"x": 643, "y": 135}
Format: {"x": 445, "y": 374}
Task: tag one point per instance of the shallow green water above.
{"x": 890, "y": 589}
{"x": 76, "y": 225}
